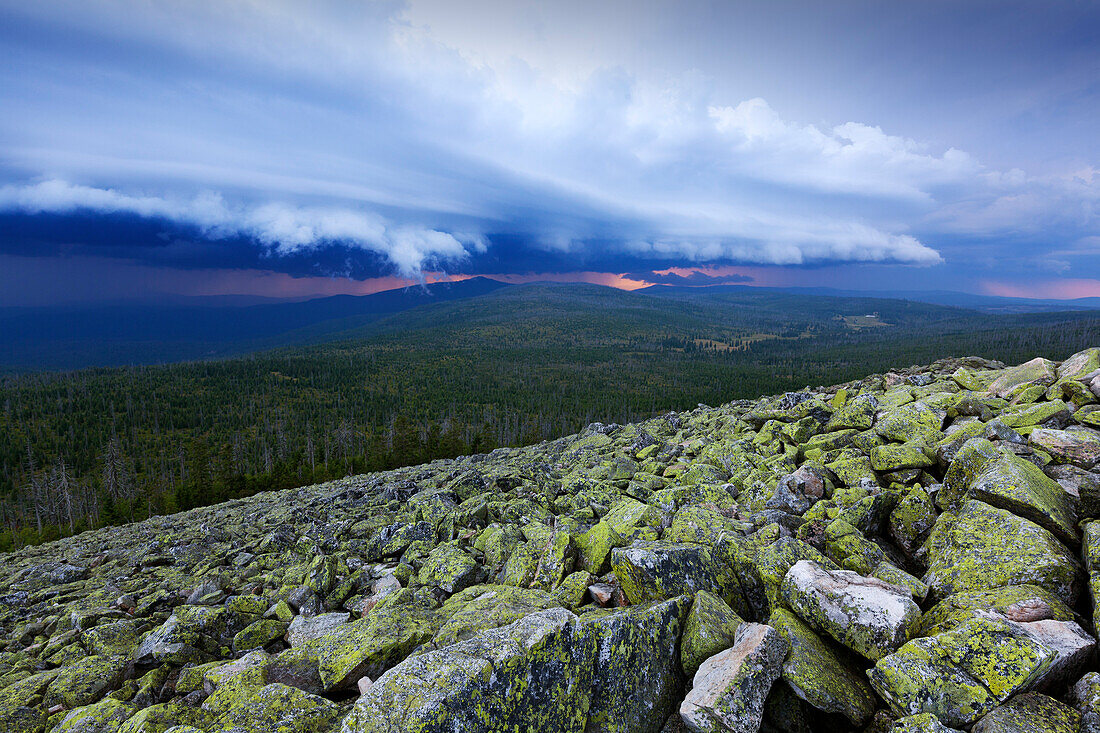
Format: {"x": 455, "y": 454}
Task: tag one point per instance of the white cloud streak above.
{"x": 284, "y": 229}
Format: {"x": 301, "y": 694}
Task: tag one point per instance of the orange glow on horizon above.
{"x": 281, "y": 285}
{"x": 1066, "y": 289}
{"x": 610, "y": 279}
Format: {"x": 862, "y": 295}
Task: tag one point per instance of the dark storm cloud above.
{"x": 368, "y": 139}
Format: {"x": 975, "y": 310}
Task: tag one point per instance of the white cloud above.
{"x": 849, "y": 158}
{"x": 285, "y": 229}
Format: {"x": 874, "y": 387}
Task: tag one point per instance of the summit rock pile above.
{"x": 915, "y": 551}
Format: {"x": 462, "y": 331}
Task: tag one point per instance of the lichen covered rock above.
{"x": 584, "y": 583}
{"x": 729, "y": 689}
{"x": 369, "y": 646}
{"x": 649, "y": 571}
{"x": 963, "y": 674}
{"x": 104, "y": 716}
{"x": 277, "y": 707}
{"x": 711, "y": 627}
{"x": 868, "y": 615}
{"x": 985, "y": 547}
{"x": 533, "y": 675}
{"x": 1030, "y": 712}
{"x": 818, "y": 675}
{"x": 636, "y": 676}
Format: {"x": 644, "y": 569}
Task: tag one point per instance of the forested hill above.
{"x": 121, "y": 334}
{"x": 514, "y": 366}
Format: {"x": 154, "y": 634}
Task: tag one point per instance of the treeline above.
{"x": 104, "y": 446}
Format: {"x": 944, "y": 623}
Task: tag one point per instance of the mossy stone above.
{"x": 711, "y": 626}
{"x": 1034, "y": 414}
{"x": 771, "y": 564}
{"x": 372, "y": 644}
{"x": 628, "y": 515}
{"x": 532, "y": 675}
{"x": 86, "y": 681}
{"x": 970, "y": 460}
{"x": 1030, "y": 712}
{"x": 895, "y": 456}
{"x": 162, "y": 716}
{"x": 281, "y": 708}
{"x": 851, "y": 467}
{"x": 104, "y": 716}
{"x": 701, "y": 524}
{"x": 488, "y": 607}
{"x": 259, "y": 634}
{"x": 921, "y": 723}
{"x": 450, "y": 568}
{"x": 921, "y": 678}
{"x": 520, "y": 568}
{"x": 817, "y": 674}
{"x": 848, "y": 548}
{"x": 636, "y": 676}
{"x": 233, "y": 690}
{"x": 657, "y": 571}
{"x": 573, "y": 588}
{"x": 1012, "y": 483}
{"x": 985, "y": 547}
{"x": 865, "y": 614}
{"x": 113, "y": 639}
{"x": 912, "y": 519}
{"x": 1017, "y": 602}
{"x": 558, "y": 558}
{"x": 1040, "y": 371}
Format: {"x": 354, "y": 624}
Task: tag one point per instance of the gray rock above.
{"x": 867, "y": 615}
{"x": 532, "y": 675}
{"x": 306, "y": 628}
{"x": 729, "y": 689}
{"x": 636, "y": 675}
{"x": 1029, "y": 713}
{"x": 1085, "y": 698}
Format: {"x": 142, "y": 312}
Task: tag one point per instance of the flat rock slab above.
{"x": 656, "y": 571}
{"x": 985, "y": 547}
{"x": 729, "y": 689}
{"x": 533, "y": 675}
{"x": 1037, "y": 371}
{"x": 1077, "y": 445}
{"x": 1022, "y": 488}
{"x": 867, "y": 615}
{"x": 305, "y": 628}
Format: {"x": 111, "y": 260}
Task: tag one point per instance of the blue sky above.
{"x": 289, "y": 149}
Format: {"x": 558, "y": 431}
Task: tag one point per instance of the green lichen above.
{"x": 815, "y": 672}
{"x": 986, "y": 547}
{"x": 1024, "y": 602}
{"x": 485, "y": 683}
{"x": 104, "y": 716}
{"x": 85, "y": 682}
{"x": 711, "y": 627}
{"x": 278, "y": 708}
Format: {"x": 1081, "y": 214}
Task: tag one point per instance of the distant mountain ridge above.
{"x": 984, "y": 303}
{"x": 71, "y": 337}
{"x": 185, "y": 329}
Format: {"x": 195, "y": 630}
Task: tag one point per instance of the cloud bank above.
{"x": 283, "y": 229}
{"x": 347, "y": 130}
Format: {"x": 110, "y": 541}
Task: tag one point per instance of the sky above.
{"x": 289, "y": 149}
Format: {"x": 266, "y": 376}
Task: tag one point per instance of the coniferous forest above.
{"x": 105, "y": 446}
